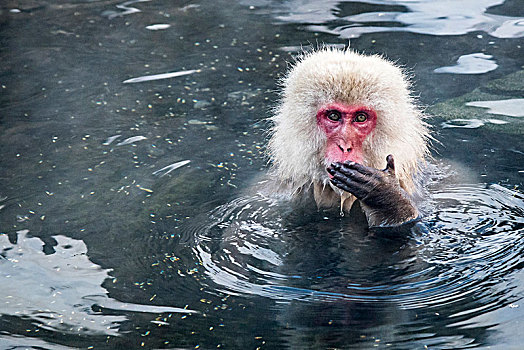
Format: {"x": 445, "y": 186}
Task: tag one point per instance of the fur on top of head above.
{"x": 297, "y": 145}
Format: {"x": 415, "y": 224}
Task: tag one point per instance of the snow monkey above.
{"x": 342, "y": 117}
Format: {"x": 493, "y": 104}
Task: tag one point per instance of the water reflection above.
{"x": 346, "y": 18}
{"x": 158, "y": 26}
{"x": 254, "y": 247}
{"x": 471, "y": 123}
{"x": 126, "y": 8}
{"x": 19, "y": 342}
{"x": 62, "y": 289}
{"x": 159, "y": 76}
{"x": 88, "y": 161}
{"x": 513, "y": 107}
{"x": 475, "y": 63}
{"x": 332, "y": 272}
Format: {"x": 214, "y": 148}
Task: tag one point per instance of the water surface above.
{"x": 131, "y": 132}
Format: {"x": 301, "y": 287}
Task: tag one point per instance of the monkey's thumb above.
{"x": 390, "y": 167}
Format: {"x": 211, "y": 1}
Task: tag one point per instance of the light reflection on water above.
{"x": 62, "y": 290}
{"x": 456, "y": 263}
{"x": 512, "y": 107}
{"x": 474, "y": 235}
{"x": 124, "y": 181}
{"x": 476, "y": 63}
{"x": 423, "y": 17}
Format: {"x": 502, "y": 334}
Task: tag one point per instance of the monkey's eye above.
{"x": 334, "y": 116}
{"x": 361, "y": 117}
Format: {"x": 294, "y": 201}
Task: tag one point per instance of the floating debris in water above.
{"x": 201, "y": 104}
{"x": 159, "y": 26}
{"x": 196, "y": 122}
{"x": 127, "y": 10}
{"x": 130, "y": 140}
{"x": 160, "y": 76}
{"x": 171, "y": 167}
{"x": 110, "y": 140}
{"x": 144, "y": 189}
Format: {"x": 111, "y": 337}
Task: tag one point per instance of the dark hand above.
{"x": 379, "y": 190}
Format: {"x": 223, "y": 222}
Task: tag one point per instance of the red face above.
{"x": 346, "y": 128}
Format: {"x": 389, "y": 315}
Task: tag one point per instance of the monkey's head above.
{"x": 339, "y": 106}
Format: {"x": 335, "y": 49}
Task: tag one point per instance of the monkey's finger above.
{"x": 350, "y": 187}
{"x": 353, "y": 175}
{"x": 365, "y": 170}
{"x": 364, "y": 176}
{"x": 340, "y": 184}
{"x": 335, "y": 172}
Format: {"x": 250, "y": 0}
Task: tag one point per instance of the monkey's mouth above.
{"x": 326, "y": 175}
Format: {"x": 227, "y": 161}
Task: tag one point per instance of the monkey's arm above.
{"x": 385, "y": 202}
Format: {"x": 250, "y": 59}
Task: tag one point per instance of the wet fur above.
{"x": 297, "y": 145}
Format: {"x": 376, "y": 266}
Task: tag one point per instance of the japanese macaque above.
{"x": 341, "y": 118}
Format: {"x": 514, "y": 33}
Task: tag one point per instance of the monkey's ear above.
{"x": 390, "y": 167}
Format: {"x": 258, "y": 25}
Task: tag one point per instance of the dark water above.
{"x": 125, "y": 215}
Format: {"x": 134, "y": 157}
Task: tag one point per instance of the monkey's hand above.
{"x": 385, "y": 202}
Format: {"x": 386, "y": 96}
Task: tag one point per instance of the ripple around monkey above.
{"x": 341, "y": 117}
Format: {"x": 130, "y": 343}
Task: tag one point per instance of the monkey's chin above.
{"x": 346, "y": 198}
{"x": 337, "y": 190}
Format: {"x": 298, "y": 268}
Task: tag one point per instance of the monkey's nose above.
{"x": 348, "y": 149}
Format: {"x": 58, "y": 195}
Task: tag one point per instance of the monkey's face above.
{"x": 340, "y": 106}
{"x": 346, "y": 127}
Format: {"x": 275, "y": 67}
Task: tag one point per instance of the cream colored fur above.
{"x": 297, "y": 145}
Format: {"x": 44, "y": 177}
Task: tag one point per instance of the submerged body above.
{"x": 342, "y": 117}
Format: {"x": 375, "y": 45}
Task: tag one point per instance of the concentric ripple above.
{"x": 464, "y": 252}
